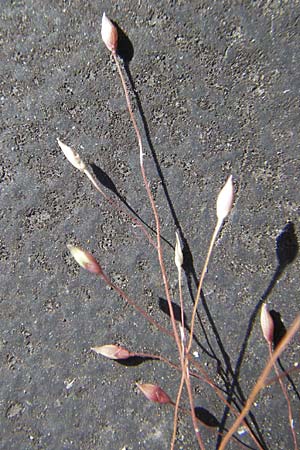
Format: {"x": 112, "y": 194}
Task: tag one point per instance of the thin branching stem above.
{"x": 182, "y": 380}
{"x": 159, "y": 248}
{"x": 181, "y": 307}
{"x": 283, "y": 374}
{"x": 188, "y": 365}
{"x": 218, "y": 391}
{"x": 188, "y": 412}
{"x": 192, "y": 405}
{"x": 134, "y": 305}
{"x": 261, "y": 380}
{"x": 284, "y": 391}
{"x": 204, "y": 377}
{"x": 196, "y": 302}
{"x": 203, "y": 273}
{"x": 176, "y": 409}
{"x": 151, "y": 199}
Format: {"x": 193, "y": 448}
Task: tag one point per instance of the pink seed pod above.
{"x": 72, "y": 156}
{"x": 112, "y": 351}
{"x": 225, "y": 199}
{"x": 85, "y": 259}
{"x": 267, "y": 324}
{"x": 154, "y": 393}
{"x": 109, "y": 34}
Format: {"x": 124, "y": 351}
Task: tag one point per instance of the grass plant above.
{"x": 188, "y": 367}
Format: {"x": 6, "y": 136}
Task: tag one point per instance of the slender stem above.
{"x": 188, "y": 412}
{"x": 185, "y": 369}
{"x": 261, "y": 380}
{"x": 185, "y": 363}
{"x": 219, "y": 393}
{"x": 206, "y": 379}
{"x": 283, "y": 374}
{"x": 134, "y": 305}
{"x": 176, "y": 406}
{"x": 192, "y": 405}
{"x": 159, "y": 251}
{"x": 204, "y": 270}
{"x": 238, "y": 442}
{"x": 154, "y": 356}
{"x": 182, "y": 380}
{"x": 146, "y": 183}
{"x": 181, "y": 306}
{"x": 284, "y": 391}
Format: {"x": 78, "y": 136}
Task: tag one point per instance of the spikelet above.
{"x": 109, "y": 34}
{"x": 85, "y": 259}
{"x": 225, "y": 200}
{"x": 112, "y": 351}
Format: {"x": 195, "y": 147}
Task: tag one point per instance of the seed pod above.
{"x": 112, "y": 351}
{"x": 178, "y": 252}
{"x": 109, "y": 34}
{"x": 267, "y": 324}
{"x": 85, "y": 259}
{"x": 225, "y": 200}
{"x": 154, "y": 393}
{"x": 72, "y": 156}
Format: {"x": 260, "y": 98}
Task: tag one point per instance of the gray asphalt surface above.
{"x": 216, "y": 92}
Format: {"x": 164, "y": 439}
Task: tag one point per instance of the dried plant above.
{"x": 187, "y": 365}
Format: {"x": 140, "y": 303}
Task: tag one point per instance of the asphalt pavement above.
{"x": 215, "y": 89}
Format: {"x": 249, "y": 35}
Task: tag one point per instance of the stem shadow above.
{"x": 108, "y": 183}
